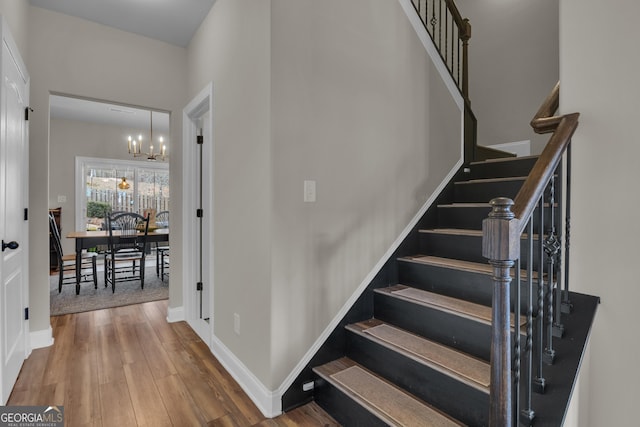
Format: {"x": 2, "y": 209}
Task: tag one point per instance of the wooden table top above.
{"x": 105, "y": 233}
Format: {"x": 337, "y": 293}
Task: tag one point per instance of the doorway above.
{"x": 91, "y": 155}
{"x": 197, "y": 216}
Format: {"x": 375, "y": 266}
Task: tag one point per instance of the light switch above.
{"x": 309, "y": 191}
{"x": 62, "y": 199}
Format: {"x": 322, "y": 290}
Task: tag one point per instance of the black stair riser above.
{"x": 483, "y": 192}
{"x": 520, "y": 167}
{"x": 469, "y": 248}
{"x": 437, "y": 389}
{"x": 460, "y": 333}
{"x": 471, "y": 217}
{"x": 461, "y": 284}
{"x": 342, "y": 408}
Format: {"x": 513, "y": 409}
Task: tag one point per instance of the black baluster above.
{"x": 516, "y": 328}
{"x": 567, "y": 307}
{"x": 551, "y": 248}
{"x": 539, "y": 382}
{"x": 527, "y": 414}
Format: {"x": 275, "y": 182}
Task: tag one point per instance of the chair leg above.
{"x": 142, "y": 273}
{"x": 61, "y": 277}
{"x": 157, "y": 262}
{"x": 95, "y": 272}
{"x": 106, "y": 269}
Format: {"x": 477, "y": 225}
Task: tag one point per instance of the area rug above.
{"x": 96, "y": 299}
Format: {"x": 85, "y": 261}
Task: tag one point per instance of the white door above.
{"x": 198, "y": 214}
{"x": 14, "y": 95}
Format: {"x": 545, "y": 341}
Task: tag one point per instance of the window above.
{"x": 107, "y": 185}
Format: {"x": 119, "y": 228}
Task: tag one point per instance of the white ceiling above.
{"x": 172, "y": 21}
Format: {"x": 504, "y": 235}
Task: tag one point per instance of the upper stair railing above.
{"x": 450, "y": 33}
{"x": 502, "y": 240}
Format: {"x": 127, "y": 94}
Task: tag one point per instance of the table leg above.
{"x": 78, "y": 263}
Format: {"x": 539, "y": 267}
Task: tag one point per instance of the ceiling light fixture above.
{"x": 135, "y": 146}
{"x": 124, "y": 185}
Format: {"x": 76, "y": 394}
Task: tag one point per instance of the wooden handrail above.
{"x": 530, "y": 192}
{"x": 544, "y": 120}
{"x": 462, "y": 23}
{"x": 501, "y": 245}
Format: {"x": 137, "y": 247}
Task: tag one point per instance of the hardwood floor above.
{"x": 127, "y": 366}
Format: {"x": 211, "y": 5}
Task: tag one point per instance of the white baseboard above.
{"x": 41, "y": 339}
{"x": 269, "y": 402}
{"x": 175, "y": 314}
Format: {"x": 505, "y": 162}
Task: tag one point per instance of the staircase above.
{"x": 418, "y": 353}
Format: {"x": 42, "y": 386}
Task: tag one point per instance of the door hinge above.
{"x": 26, "y": 313}
{"x": 200, "y": 140}
{"x": 199, "y": 286}
{"x": 26, "y": 112}
{"x": 199, "y": 213}
{"x": 26, "y": 214}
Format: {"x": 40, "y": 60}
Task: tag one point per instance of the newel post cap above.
{"x": 500, "y": 235}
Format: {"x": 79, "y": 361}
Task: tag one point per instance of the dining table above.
{"x": 91, "y": 239}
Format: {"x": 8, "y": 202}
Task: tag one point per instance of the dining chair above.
{"x": 67, "y": 263}
{"x": 126, "y": 249}
{"x": 162, "y": 248}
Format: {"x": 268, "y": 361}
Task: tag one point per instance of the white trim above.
{"x": 175, "y": 314}
{"x": 199, "y": 105}
{"x": 268, "y": 402}
{"x": 363, "y": 285}
{"x": 42, "y": 338}
{"x": 425, "y": 38}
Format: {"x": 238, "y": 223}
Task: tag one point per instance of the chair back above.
{"x": 127, "y": 231}
{"x": 55, "y": 234}
{"x": 162, "y": 219}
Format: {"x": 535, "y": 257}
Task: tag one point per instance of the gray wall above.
{"x": 232, "y": 49}
{"x": 15, "y": 13}
{"x": 358, "y": 107}
{"x": 600, "y": 65}
{"x": 513, "y": 65}
{"x": 337, "y": 92}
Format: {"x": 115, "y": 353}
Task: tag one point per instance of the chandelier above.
{"x": 135, "y": 145}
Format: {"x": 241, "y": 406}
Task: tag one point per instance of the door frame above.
{"x": 200, "y": 104}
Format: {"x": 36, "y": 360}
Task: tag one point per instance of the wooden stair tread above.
{"x": 450, "y": 263}
{"x": 466, "y": 205}
{"x": 458, "y": 264}
{"x": 490, "y": 180}
{"x": 477, "y": 205}
{"x": 470, "y": 310}
{"x": 504, "y": 159}
{"x": 388, "y": 402}
{"x": 466, "y": 368}
{"x": 463, "y": 232}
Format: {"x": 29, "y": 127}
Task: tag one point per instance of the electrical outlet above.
{"x": 236, "y": 323}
